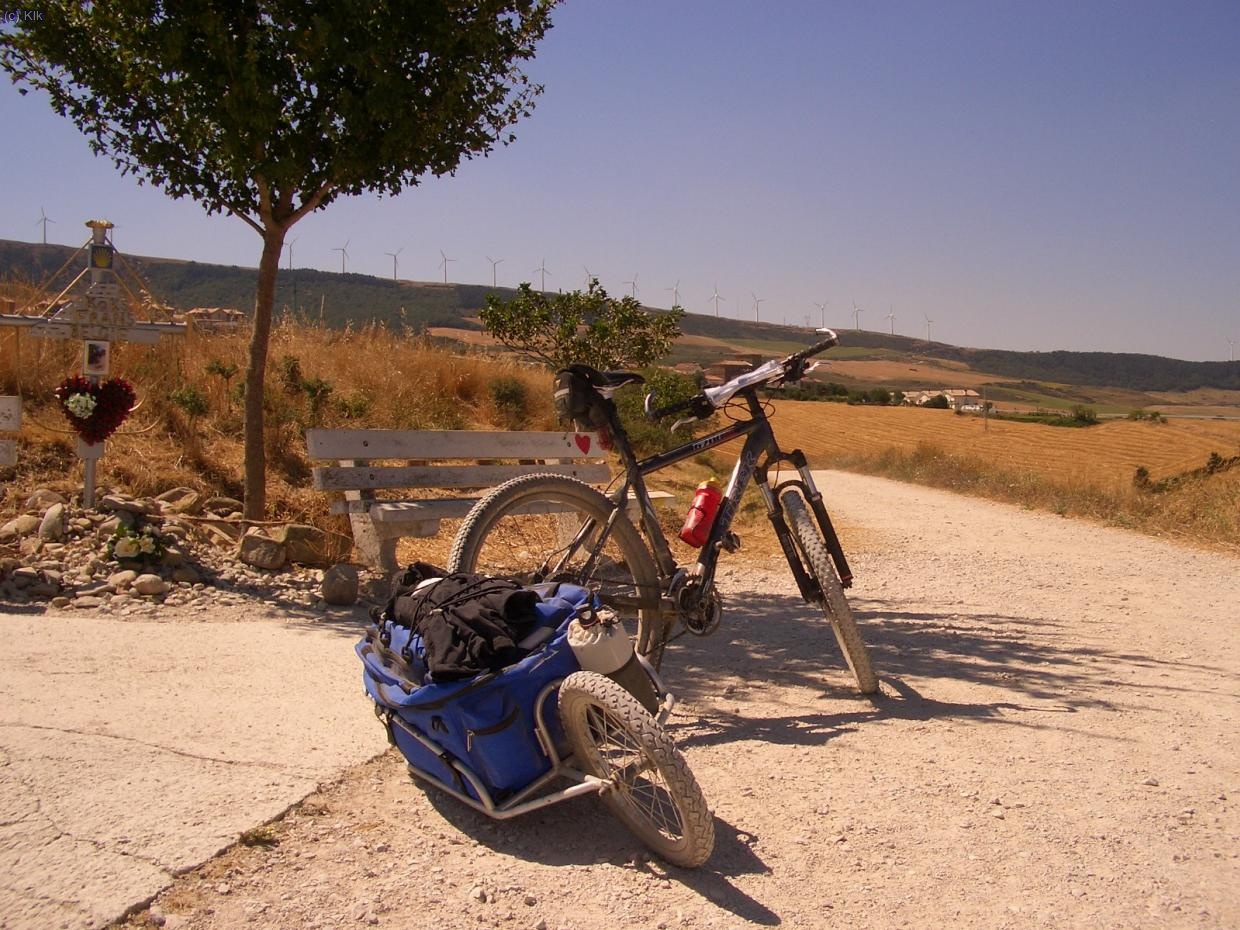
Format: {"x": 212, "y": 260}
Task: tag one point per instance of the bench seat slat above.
{"x": 359, "y": 478}
{"x": 362, "y": 444}
{"x": 446, "y": 508}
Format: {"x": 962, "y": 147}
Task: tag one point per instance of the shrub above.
{"x": 511, "y": 397}
{"x": 191, "y": 400}
{"x": 938, "y": 402}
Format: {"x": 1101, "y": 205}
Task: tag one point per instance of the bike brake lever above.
{"x": 683, "y": 422}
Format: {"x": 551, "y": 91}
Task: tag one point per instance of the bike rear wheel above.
{"x": 818, "y": 560}
{"x": 539, "y": 528}
{"x": 649, "y": 785}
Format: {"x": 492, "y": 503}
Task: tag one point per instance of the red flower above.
{"x": 113, "y": 399}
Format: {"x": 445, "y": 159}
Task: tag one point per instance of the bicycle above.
{"x": 553, "y": 528}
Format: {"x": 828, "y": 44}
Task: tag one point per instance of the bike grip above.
{"x": 668, "y": 410}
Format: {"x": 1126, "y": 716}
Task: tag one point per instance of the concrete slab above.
{"x": 131, "y": 751}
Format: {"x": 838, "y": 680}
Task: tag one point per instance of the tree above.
{"x": 586, "y": 327}
{"x": 270, "y": 109}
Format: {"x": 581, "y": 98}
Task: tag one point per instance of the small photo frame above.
{"x": 97, "y": 356}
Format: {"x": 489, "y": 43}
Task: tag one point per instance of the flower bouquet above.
{"x": 130, "y": 546}
{"x": 95, "y": 411}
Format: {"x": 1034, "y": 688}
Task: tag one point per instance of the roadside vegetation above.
{"x": 188, "y": 430}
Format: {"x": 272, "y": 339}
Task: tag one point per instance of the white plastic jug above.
{"x": 599, "y": 645}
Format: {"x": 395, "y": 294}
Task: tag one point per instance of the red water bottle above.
{"x": 702, "y": 513}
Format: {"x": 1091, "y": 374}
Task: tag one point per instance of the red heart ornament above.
{"x": 583, "y": 442}
{"x": 113, "y": 399}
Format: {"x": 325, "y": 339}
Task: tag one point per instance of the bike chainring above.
{"x": 700, "y": 612}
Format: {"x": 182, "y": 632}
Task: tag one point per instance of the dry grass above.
{"x": 1074, "y": 472}
{"x": 379, "y": 378}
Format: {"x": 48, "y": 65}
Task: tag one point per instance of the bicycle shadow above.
{"x": 934, "y": 662}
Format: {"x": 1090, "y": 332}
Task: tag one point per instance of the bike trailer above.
{"x": 477, "y": 737}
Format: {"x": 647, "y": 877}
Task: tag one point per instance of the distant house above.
{"x": 959, "y": 398}
{"x": 726, "y": 370}
{"x": 214, "y": 319}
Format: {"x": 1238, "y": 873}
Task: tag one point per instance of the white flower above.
{"x": 126, "y": 548}
{"x": 147, "y": 545}
{"x": 81, "y": 405}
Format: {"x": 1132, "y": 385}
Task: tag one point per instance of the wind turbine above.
{"x": 494, "y": 262}
{"x": 632, "y": 287}
{"x": 344, "y": 253}
{"x": 716, "y": 298}
{"x": 822, "y": 308}
{"x": 857, "y": 311}
{"x": 589, "y": 275}
{"x": 928, "y": 322}
{"x": 542, "y": 269}
{"x": 44, "y": 220}
{"x": 1232, "y": 354}
{"x": 756, "y": 301}
{"x": 675, "y": 289}
{"x": 444, "y": 265}
{"x": 891, "y": 318}
{"x": 290, "y": 245}
{"x": 394, "y": 254}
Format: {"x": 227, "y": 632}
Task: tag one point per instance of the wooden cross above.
{"x": 99, "y": 317}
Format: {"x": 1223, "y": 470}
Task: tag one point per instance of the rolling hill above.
{"x": 865, "y": 357}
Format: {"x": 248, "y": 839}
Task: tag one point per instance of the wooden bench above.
{"x": 454, "y": 460}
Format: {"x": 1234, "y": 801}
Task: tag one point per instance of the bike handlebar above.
{"x": 792, "y": 368}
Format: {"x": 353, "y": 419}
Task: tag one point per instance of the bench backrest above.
{"x": 506, "y": 454}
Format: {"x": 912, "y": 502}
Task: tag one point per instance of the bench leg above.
{"x": 369, "y": 548}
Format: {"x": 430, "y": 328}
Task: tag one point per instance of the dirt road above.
{"x": 1056, "y": 746}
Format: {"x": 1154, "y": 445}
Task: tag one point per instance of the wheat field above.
{"x": 1105, "y": 455}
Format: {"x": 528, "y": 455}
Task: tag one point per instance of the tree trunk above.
{"x": 255, "y": 450}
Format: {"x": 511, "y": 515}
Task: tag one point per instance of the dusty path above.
{"x": 1056, "y": 747}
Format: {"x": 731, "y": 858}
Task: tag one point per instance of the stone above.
{"x": 52, "y": 527}
{"x": 24, "y": 525}
{"x": 24, "y": 577}
{"x": 87, "y": 601}
{"x": 122, "y": 579}
{"x": 180, "y": 500}
{"x": 119, "y": 505}
{"x": 307, "y": 545}
{"x": 223, "y": 505}
{"x": 184, "y": 574}
{"x": 261, "y": 552}
{"x": 150, "y": 585}
{"x": 61, "y": 602}
{"x": 43, "y": 589}
{"x": 340, "y": 584}
{"x": 43, "y": 498}
{"x": 173, "y": 557}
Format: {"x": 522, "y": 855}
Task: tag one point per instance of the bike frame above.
{"x": 758, "y": 454}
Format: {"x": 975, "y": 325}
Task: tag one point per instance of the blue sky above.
{"x": 1028, "y": 175}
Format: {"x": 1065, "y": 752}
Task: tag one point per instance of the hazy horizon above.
{"x": 1058, "y": 176}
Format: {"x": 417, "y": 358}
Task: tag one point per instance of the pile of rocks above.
{"x": 56, "y": 554}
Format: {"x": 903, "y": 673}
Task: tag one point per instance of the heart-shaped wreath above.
{"x": 95, "y": 411}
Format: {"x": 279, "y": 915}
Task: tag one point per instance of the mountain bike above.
{"x": 543, "y": 528}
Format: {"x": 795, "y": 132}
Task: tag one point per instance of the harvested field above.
{"x": 1104, "y": 455}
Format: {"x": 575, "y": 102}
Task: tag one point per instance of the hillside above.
{"x": 338, "y": 299}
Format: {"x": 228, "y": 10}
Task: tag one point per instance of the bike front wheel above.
{"x": 546, "y": 528}
{"x": 818, "y": 560}
{"x": 648, "y": 783}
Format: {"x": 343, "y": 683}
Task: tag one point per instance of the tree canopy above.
{"x": 270, "y": 109}
{"x": 586, "y": 327}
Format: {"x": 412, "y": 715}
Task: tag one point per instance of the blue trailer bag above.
{"x": 487, "y": 722}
